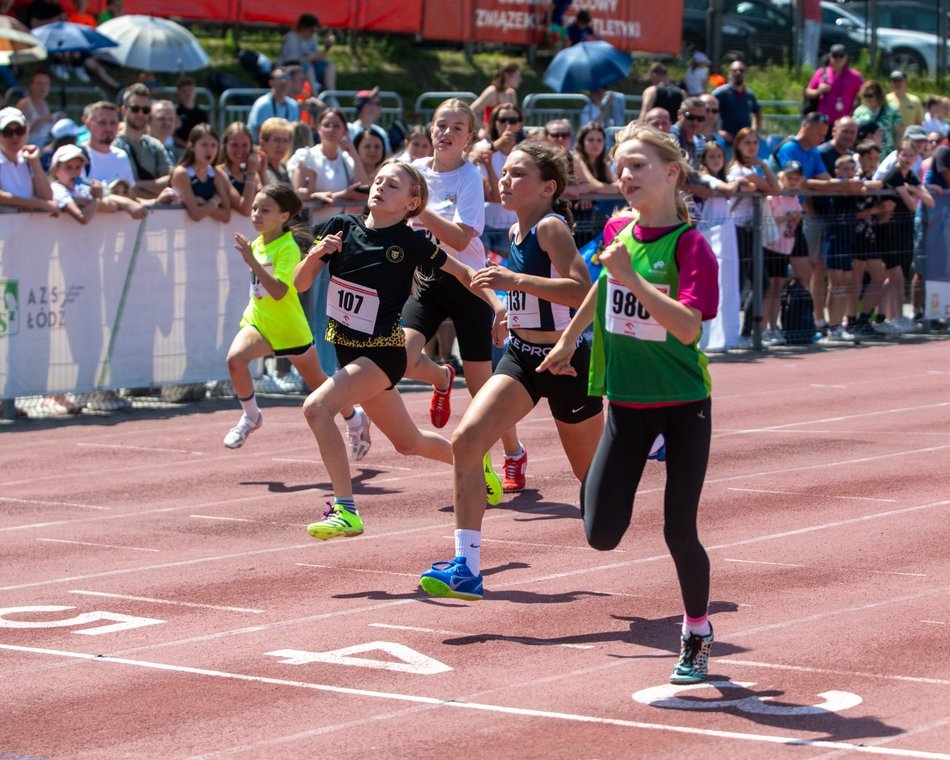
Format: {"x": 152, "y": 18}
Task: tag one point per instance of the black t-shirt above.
{"x": 941, "y": 162}
{"x": 189, "y": 118}
{"x": 374, "y": 269}
{"x": 894, "y": 179}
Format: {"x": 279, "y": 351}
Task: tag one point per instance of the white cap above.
{"x": 66, "y": 153}
{"x": 700, "y": 57}
{"x": 10, "y": 115}
{"x": 65, "y": 128}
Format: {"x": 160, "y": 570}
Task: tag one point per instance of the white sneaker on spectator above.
{"x": 743, "y": 341}
{"x": 81, "y": 74}
{"x": 60, "y": 71}
{"x": 267, "y": 384}
{"x": 292, "y": 382}
{"x": 775, "y": 338}
{"x": 106, "y": 401}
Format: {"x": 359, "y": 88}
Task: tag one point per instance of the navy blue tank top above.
{"x": 526, "y": 310}
{"x": 203, "y": 189}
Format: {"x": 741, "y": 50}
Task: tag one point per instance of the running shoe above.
{"x": 693, "y": 664}
{"x": 493, "y": 486}
{"x": 452, "y": 579}
{"x": 658, "y": 450}
{"x": 515, "y": 471}
{"x": 268, "y": 384}
{"x": 359, "y": 436}
{"x": 440, "y": 407}
{"x": 337, "y": 522}
{"x": 239, "y": 433}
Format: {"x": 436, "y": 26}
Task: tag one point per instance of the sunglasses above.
{"x": 737, "y": 71}
{"x": 508, "y": 120}
{"x": 559, "y": 135}
{"x": 838, "y": 55}
{"x": 693, "y": 117}
{"x": 712, "y": 110}
{"x": 13, "y": 131}
{"x": 141, "y": 109}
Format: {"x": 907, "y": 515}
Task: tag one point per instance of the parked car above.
{"x": 907, "y": 32}
{"x": 758, "y": 31}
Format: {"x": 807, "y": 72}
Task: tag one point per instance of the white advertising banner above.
{"x": 117, "y": 303}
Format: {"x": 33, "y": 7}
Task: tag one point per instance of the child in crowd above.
{"x": 373, "y": 262}
{"x": 712, "y": 173}
{"x": 839, "y": 251}
{"x": 871, "y": 211}
{"x": 72, "y": 192}
{"x": 545, "y": 279}
{"x": 416, "y": 144}
{"x": 203, "y": 191}
{"x": 274, "y": 321}
{"x": 658, "y": 284}
{"x": 240, "y": 162}
{"x": 786, "y": 210}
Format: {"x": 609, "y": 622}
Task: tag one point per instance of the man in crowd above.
{"x": 835, "y": 85}
{"x": 709, "y": 129}
{"x": 276, "y": 103}
{"x": 912, "y": 110}
{"x": 661, "y": 92}
{"x": 844, "y": 135}
{"x": 738, "y": 106}
{"x": 147, "y": 155}
{"x": 658, "y": 118}
{"x": 23, "y": 183}
{"x": 690, "y": 119}
{"x": 161, "y": 126}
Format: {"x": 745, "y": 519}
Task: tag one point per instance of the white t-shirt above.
{"x": 110, "y": 166}
{"x": 16, "y": 177}
{"x": 496, "y": 216}
{"x": 715, "y": 208}
{"x": 63, "y": 195}
{"x": 741, "y": 208}
{"x": 332, "y": 175}
{"x": 458, "y": 196}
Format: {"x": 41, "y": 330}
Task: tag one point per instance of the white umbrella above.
{"x": 17, "y": 45}
{"x": 148, "y": 43}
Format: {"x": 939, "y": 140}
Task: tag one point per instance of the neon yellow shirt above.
{"x": 282, "y": 323}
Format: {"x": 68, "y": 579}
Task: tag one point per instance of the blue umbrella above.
{"x": 66, "y": 37}
{"x": 587, "y": 66}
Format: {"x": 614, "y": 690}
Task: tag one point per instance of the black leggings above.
{"x": 609, "y": 489}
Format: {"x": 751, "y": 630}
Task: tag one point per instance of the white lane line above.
{"x": 764, "y": 490}
{"x": 934, "y": 622}
{"x": 227, "y": 519}
{"x": 760, "y": 562}
{"x": 864, "y": 498}
{"x": 832, "y": 672}
{"x": 168, "y": 601}
{"x": 463, "y": 633}
{"x": 825, "y": 420}
{"x": 776, "y": 739}
{"x": 356, "y": 570}
{"x": 90, "y": 543}
{"x": 894, "y": 572}
{"x": 52, "y": 503}
{"x": 139, "y": 448}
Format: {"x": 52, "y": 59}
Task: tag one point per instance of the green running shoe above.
{"x": 492, "y": 482}
{"x": 337, "y": 522}
{"x": 694, "y": 659}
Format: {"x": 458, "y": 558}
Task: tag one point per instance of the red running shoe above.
{"x": 440, "y": 407}
{"x": 515, "y": 471}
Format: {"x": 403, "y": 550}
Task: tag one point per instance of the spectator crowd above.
{"x": 867, "y": 157}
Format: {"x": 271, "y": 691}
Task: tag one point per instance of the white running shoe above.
{"x": 268, "y": 384}
{"x": 239, "y": 433}
{"x": 359, "y": 436}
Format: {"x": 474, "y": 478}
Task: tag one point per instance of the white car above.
{"x": 901, "y": 48}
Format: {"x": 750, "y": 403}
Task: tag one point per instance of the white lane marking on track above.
{"x": 356, "y": 569}
{"x": 863, "y": 498}
{"x": 462, "y": 633}
{"x": 934, "y": 622}
{"x": 91, "y": 543}
{"x": 832, "y": 672}
{"x": 764, "y": 490}
{"x": 760, "y": 562}
{"x": 52, "y": 503}
{"x": 247, "y": 520}
{"x": 777, "y": 739}
{"x": 894, "y": 572}
{"x": 167, "y": 601}
{"x": 822, "y": 420}
{"x": 139, "y": 448}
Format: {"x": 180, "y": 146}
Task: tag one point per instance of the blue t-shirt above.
{"x": 810, "y": 159}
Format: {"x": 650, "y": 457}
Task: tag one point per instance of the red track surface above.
{"x": 825, "y": 516}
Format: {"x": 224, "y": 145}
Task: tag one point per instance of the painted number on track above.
{"x": 409, "y": 660}
{"x": 119, "y": 622}
{"x": 667, "y": 697}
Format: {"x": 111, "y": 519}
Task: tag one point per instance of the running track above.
{"x": 159, "y": 597}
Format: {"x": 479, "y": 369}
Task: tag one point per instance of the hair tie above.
{"x": 415, "y": 188}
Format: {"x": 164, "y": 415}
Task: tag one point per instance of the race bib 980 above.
{"x": 626, "y": 314}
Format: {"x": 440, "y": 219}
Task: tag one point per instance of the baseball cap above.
{"x": 364, "y": 95}
{"x": 65, "y": 128}
{"x": 11, "y": 115}
{"x": 838, "y": 49}
{"x": 701, "y": 57}
{"x": 867, "y": 127}
{"x": 66, "y": 153}
{"x": 898, "y": 74}
{"x": 915, "y": 132}
{"x": 792, "y": 166}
